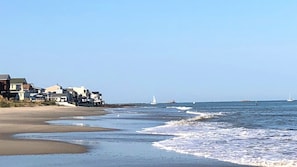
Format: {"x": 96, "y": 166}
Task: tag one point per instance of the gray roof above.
{"x": 4, "y": 77}
{"x": 18, "y": 80}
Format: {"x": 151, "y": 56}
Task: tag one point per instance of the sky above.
{"x": 131, "y": 50}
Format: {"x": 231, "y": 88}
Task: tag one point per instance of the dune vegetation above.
{"x": 25, "y": 103}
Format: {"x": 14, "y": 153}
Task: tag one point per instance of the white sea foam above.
{"x": 79, "y": 124}
{"x": 260, "y": 147}
{"x": 193, "y": 112}
{"x": 79, "y": 117}
{"x": 182, "y": 108}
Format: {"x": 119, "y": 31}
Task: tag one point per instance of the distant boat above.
{"x": 154, "y": 101}
{"x": 290, "y": 99}
{"x": 172, "y": 102}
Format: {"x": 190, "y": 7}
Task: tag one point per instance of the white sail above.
{"x": 290, "y": 98}
{"x": 154, "y": 101}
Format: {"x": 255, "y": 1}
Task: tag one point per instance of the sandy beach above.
{"x": 33, "y": 120}
{"x": 38, "y": 144}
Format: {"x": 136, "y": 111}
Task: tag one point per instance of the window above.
{"x": 18, "y": 87}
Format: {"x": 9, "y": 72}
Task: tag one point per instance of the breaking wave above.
{"x": 222, "y": 141}
{"x": 182, "y": 108}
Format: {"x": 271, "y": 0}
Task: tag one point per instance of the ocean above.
{"x": 229, "y": 134}
{"x": 260, "y": 133}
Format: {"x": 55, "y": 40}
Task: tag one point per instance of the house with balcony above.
{"x": 74, "y": 96}
{"x": 5, "y": 85}
{"x": 17, "y": 91}
{"x": 58, "y": 94}
{"x": 83, "y": 94}
{"x": 84, "y": 97}
{"x": 34, "y": 93}
{"x": 96, "y": 98}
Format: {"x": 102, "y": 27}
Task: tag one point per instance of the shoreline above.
{"x": 119, "y": 148}
{"x": 18, "y": 120}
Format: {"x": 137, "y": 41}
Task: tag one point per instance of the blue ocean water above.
{"x": 249, "y": 133}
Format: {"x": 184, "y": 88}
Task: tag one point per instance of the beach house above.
{"x": 5, "y": 85}
{"x": 73, "y": 96}
{"x": 53, "y": 89}
{"x": 96, "y": 98}
{"x": 17, "y": 91}
{"x": 34, "y": 93}
{"x": 58, "y": 94}
{"x": 20, "y": 89}
{"x": 83, "y": 94}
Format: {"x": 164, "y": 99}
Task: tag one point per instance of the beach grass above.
{"x": 24, "y": 103}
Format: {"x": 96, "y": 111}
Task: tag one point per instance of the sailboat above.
{"x": 154, "y": 101}
{"x": 290, "y": 99}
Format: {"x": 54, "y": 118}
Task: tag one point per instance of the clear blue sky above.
{"x": 131, "y": 50}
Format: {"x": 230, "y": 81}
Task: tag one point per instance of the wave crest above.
{"x": 182, "y": 108}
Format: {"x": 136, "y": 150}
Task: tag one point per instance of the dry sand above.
{"x": 33, "y": 120}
